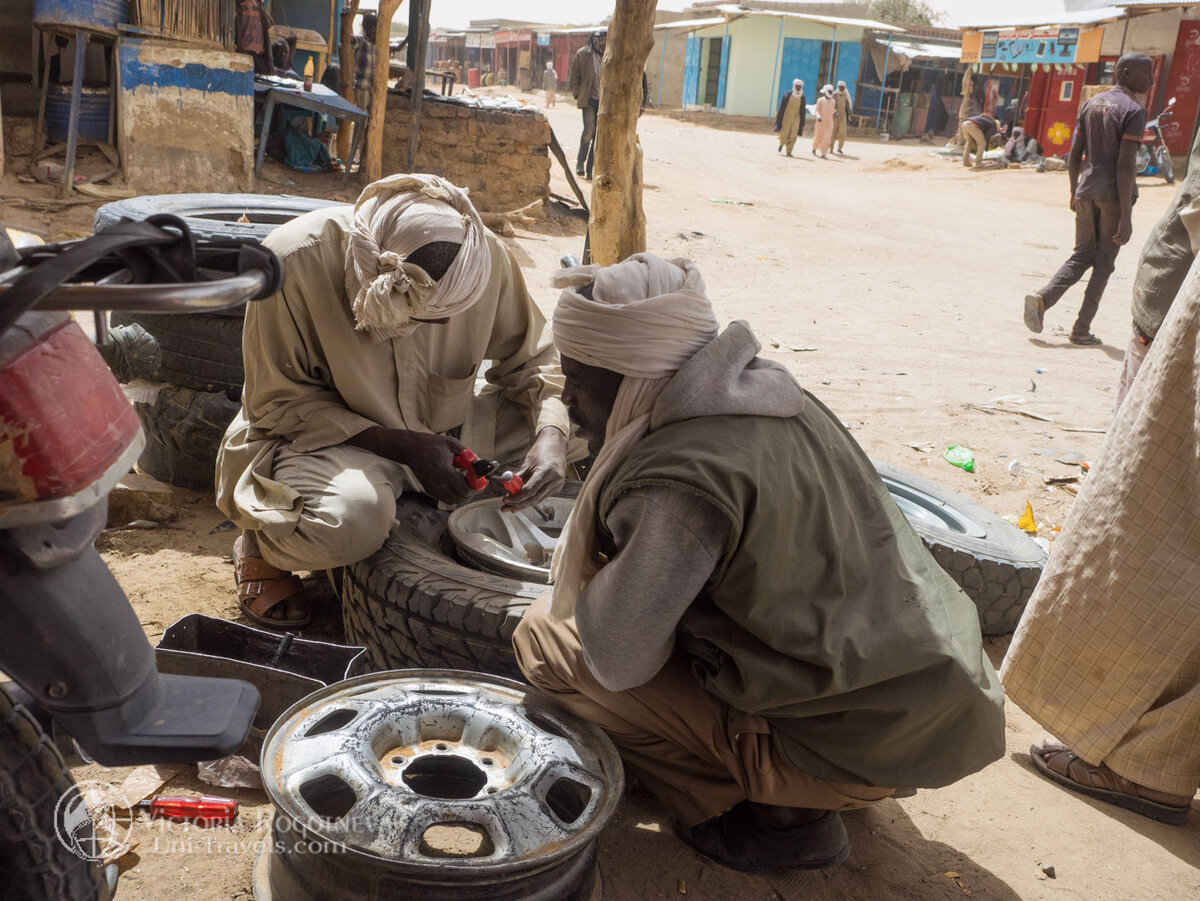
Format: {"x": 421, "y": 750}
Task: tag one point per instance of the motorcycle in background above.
{"x": 1153, "y": 157}
{"x": 72, "y": 644}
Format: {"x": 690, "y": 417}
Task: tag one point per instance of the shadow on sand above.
{"x": 889, "y": 860}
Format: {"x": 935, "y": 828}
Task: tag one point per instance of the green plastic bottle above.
{"x": 962, "y": 457}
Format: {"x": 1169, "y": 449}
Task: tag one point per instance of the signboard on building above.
{"x": 483, "y": 41}
{"x": 1032, "y": 45}
{"x": 543, "y": 39}
{"x": 1029, "y": 45}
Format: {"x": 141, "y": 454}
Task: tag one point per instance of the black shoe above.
{"x": 741, "y": 840}
{"x": 579, "y": 172}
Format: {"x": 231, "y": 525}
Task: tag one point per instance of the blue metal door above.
{"x": 724, "y": 70}
{"x": 691, "y": 70}
{"x": 848, "y": 60}
{"x": 801, "y": 59}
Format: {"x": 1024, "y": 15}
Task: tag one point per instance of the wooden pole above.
{"x": 346, "y": 79}
{"x": 618, "y": 225}
{"x": 418, "y": 43}
{"x": 383, "y": 54}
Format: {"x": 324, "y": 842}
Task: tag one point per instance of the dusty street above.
{"x": 902, "y": 275}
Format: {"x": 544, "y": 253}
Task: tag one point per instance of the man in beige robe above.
{"x": 1107, "y": 655}
{"x": 843, "y": 108}
{"x": 789, "y": 120}
{"x": 361, "y": 384}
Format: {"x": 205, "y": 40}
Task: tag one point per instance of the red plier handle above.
{"x": 206, "y": 809}
{"x": 463, "y": 460}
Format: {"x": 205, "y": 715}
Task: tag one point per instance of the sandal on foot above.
{"x": 1064, "y": 766}
{"x": 261, "y": 588}
{"x": 1085, "y": 339}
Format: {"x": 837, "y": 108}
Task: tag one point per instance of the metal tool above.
{"x": 205, "y": 810}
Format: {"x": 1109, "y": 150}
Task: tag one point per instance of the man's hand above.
{"x": 544, "y": 470}
{"x": 430, "y": 457}
{"x": 1071, "y": 202}
{"x": 1124, "y": 231}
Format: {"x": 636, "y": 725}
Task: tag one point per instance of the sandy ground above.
{"x": 905, "y": 274}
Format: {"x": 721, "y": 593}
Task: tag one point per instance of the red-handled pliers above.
{"x": 474, "y": 470}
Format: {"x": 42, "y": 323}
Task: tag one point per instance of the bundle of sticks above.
{"x": 209, "y": 20}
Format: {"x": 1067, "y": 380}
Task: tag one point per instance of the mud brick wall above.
{"x": 501, "y": 156}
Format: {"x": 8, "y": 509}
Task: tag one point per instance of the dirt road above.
{"x": 905, "y": 273}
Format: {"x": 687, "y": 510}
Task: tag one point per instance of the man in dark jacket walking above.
{"x": 584, "y": 80}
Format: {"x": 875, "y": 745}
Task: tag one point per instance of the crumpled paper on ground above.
{"x": 111, "y": 806}
{"x": 234, "y": 771}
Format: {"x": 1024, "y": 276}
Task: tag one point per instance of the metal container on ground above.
{"x": 93, "y": 113}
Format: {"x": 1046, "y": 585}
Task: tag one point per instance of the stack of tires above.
{"x": 184, "y": 372}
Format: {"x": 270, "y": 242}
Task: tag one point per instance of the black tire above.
{"x": 202, "y": 351}
{"x": 1165, "y": 166}
{"x": 34, "y": 864}
{"x": 412, "y": 604}
{"x": 184, "y": 429}
{"x": 214, "y": 215}
{"x": 997, "y": 566}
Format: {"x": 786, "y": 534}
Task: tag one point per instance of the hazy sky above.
{"x": 447, "y": 13}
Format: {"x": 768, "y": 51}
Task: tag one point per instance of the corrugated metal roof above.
{"x": 919, "y": 51}
{"x": 691, "y": 23}
{"x": 832, "y": 20}
{"x": 1079, "y": 17}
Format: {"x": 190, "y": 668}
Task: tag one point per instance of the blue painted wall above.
{"x": 136, "y": 73}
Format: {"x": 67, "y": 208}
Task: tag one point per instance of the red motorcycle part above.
{"x": 64, "y": 421}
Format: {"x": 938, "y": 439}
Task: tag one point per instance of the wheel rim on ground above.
{"x": 435, "y": 784}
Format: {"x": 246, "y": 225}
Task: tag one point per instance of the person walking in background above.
{"x": 823, "y": 135}
{"x": 550, "y": 83}
{"x": 843, "y": 107}
{"x": 1103, "y": 183}
{"x": 789, "y": 121}
{"x": 977, "y": 133}
{"x": 584, "y": 81}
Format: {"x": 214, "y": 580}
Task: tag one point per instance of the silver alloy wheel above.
{"x": 431, "y": 784}
{"x": 517, "y": 544}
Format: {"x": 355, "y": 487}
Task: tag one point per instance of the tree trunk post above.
{"x": 418, "y": 43}
{"x": 618, "y": 225}
{"x": 346, "y": 78}
{"x": 383, "y": 53}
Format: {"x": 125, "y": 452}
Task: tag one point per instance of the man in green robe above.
{"x": 737, "y": 600}
{"x": 789, "y": 120}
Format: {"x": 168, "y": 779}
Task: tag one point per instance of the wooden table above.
{"x": 320, "y": 100}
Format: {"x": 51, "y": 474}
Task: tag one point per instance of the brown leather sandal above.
{"x": 261, "y": 587}
{"x": 1058, "y": 762}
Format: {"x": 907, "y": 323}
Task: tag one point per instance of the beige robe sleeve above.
{"x": 526, "y": 367}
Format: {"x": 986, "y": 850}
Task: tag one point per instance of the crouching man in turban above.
{"x": 361, "y": 378}
{"x": 737, "y": 601}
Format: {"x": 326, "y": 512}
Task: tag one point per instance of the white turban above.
{"x": 797, "y": 87}
{"x": 646, "y": 318}
{"x": 394, "y": 217}
{"x": 828, "y": 89}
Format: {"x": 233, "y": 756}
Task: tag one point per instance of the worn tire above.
{"x": 34, "y": 864}
{"x": 202, "y": 351}
{"x": 412, "y": 604}
{"x": 214, "y": 215}
{"x": 184, "y": 429}
{"x": 998, "y": 569}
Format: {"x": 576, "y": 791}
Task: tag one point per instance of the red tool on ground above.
{"x": 204, "y": 810}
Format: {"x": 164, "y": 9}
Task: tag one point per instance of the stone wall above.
{"x": 502, "y": 157}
